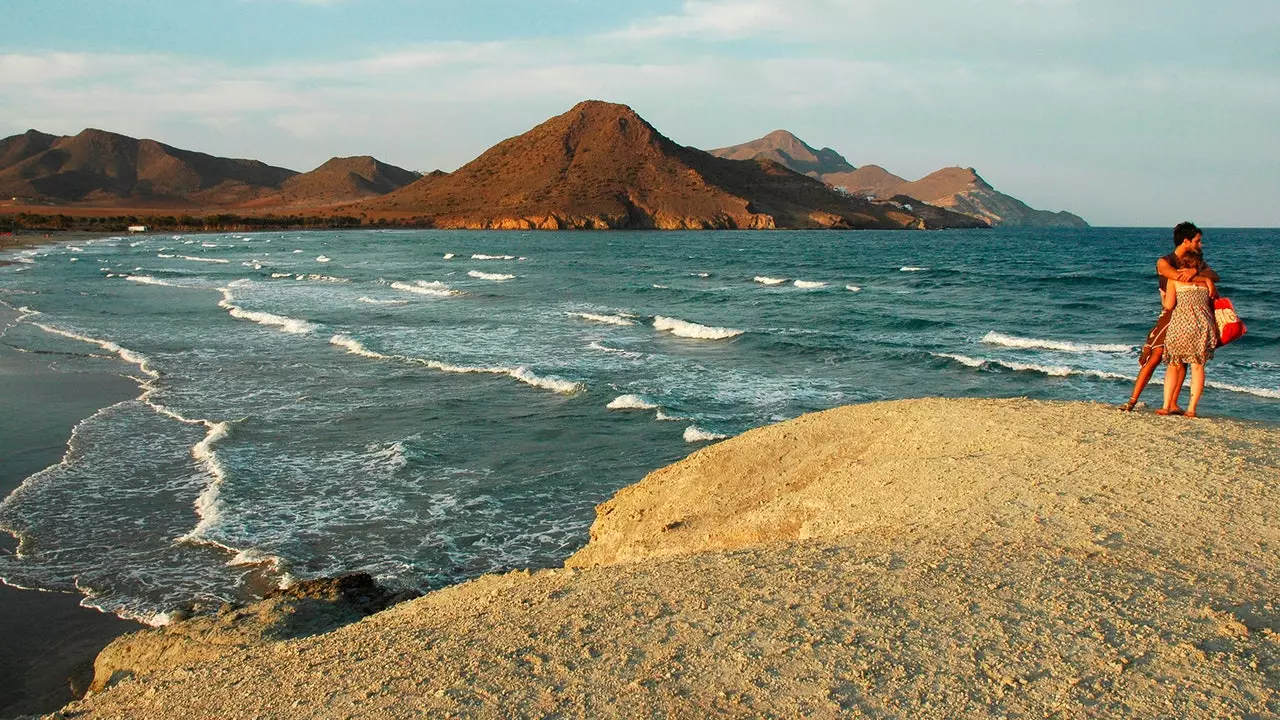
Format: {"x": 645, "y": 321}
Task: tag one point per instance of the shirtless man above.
{"x": 1187, "y": 238}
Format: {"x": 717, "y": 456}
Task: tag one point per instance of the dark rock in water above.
{"x": 311, "y": 607}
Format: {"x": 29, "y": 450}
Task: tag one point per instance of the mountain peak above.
{"x": 783, "y": 146}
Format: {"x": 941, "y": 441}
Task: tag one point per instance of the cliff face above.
{"x": 600, "y": 165}
{"x": 955, "y": 189}
{"x": 922, "y": 558}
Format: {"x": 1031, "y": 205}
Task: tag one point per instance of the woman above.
{"x": 1190, "y": 338}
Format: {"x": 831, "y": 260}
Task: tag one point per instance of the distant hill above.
{"x": 600, "y": 165}
{"x": 787, "y": 149}
{"x": 101, "y": 166}
{"x": 961, "y": 190}
{"x": 342, "y": 180}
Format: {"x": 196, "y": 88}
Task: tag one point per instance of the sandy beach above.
{"x": 920, "y": 558}
{"x": 49, "y": 639}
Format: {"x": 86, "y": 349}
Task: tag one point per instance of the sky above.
{"x": 1127, "y": 112}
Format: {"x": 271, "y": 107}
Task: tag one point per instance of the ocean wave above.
{"x": 449, "y": 256}
{"x": 496, "y": 277}
{"x": 523, "y": 374}
{"x": 323, "y": 258}
{"x": 129, "y": 356}
{"x": 422, "y": 287}
{"x": 253, "y": 264}
{"x": 209, "y": 505}
{"x": 853, "y": 288}
{"x": 222, "y": 261}
{"x": 375, "y": 301}
{"x": 208, "y": 244}
{"x": 701, "y": 274}
{"x": 287, "y": 324}
{"x": 997, "y": 338}
{"x": 695, "y": 434}
{"x": 148, "y": 280}
{"x": 687, "y": 329}
{"x": 165, "y": 255}
{"x": 809, "y": 284}
{"x": 911, "y": 268}
{"x": 479, "y": 256}
{"x": 661, "y": 287}
{"x": 765, "y": 280}
{"x": 663, "y": 416}
{"x": 595, "y": 345}
{"x": 1260, "y": 392}
{"x": 1050, "y": 370}
{"x": 630, "y": 402}
{"x": 606, "y": 319}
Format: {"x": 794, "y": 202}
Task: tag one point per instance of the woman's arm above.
{"x": 1170, "y": 297}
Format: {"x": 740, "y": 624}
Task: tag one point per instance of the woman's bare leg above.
{"x": 1197, "y": 388}
{"x": 1144, "y": 376}
{"x": 1172, "y": 388}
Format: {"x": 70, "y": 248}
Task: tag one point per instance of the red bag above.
{"x": 1229, "y": 325}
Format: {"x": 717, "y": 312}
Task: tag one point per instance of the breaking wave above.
{"x": 375, "y": 301}
{"x": 496, "y": 277}
{"x": 853, "y": 288}
{"x": 606, "y": 319}
{"x": 809, "y": 284}
{"x": 193, "y": 258}
{"x": 523, "y": 374}
{"x": 687, "y": 329}
{"x": 422, "y": 287}
{"x": 595, "y": 345}
{"x": 479, "y": 256}
{"x": 996, "y": 338}
{"x": 630, "y": 402}
{"x": 765, "y": 280}
{"x": 695, "y": 434}
{"x": 286, "y": 324}
{"x": 148, "y": 280}
{"x": 1050, "y": 370}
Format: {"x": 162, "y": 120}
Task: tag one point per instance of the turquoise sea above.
{"x": 430, "y": 406}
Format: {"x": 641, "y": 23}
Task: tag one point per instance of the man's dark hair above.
{"x": 1184, "y": 231}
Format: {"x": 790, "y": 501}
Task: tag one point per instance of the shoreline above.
{"x": 51, "y": 640}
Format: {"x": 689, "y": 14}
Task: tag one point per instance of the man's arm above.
{"x": 1169, "y": 272}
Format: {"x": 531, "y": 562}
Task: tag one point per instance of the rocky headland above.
{"x": 956, "y": 189}
{"x": 920, "y": 558}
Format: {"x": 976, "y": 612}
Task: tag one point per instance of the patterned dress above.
{"x": 1192, "y": 333}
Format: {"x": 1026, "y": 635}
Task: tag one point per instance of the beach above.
{"x": 49, "y": 638}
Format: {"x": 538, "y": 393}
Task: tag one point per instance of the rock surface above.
{"x": 921, "y": 558}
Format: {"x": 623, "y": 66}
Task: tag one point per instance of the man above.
{"x": 1187, "y": 238}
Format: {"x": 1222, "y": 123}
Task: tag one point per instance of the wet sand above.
{"x": 50, "y": 641}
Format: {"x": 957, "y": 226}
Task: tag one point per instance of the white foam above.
{"x": 490, "y": 257}
{"x": 911, "y": 268}
{"x": 606, "y": 319}
{"x": 421, "y": 287}
{"x": 695, "y": 434}
{"x": 1260, "y": 392}
{"x": 75, "y": 259}
{"x": 687, "y": 329}
{"x": 148, "y": 280}
{"x": 312, "y": 277}
{"x": 297, "y": 252}
{"x": 252, "y": 264}
{"x": 595, "y": 345}
{"x": 669, "y": 418}
{"x": 766, "y": 280}
{"x": 287, "y": 324}
{"x": 808, "y": 284}
{"x": 630, "y": 402}
{"x": 375, "y": 301}
{"x": 662, "y": 287}
{"x": 524, "y": 375}
{"x": 163, "y": 255}
{"x": 448, "y": 256}
{"x": 853, "y": 288}
{"x": 222, "y": 261}
{"x": 496, "y": 277}
{"x": 281, "y": 275}
{"x": 74, "y": 248}
{"x": 208, "y": 244}
{"x": 323, "y": 258}
{"x": 209, "y": 505}
{"x": 124, "y": 353}
{"x": 996, "y": 338}
{"x": 1051, "y": 370}
{"x": 702, "y": 274}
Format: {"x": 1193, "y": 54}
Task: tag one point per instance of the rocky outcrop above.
{"x": 307, "y": 608}
{"x": 921, "y": 558}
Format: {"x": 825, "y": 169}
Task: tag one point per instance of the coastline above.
{"x": 50, "y": 640}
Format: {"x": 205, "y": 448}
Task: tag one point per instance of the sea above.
{"x": 429, "y": 406}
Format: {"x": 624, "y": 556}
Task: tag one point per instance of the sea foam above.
{"x": 630, "y": 402}
{"x": 912, "y": 268}
{"x": 687, "y": 329}
{"x": 996, "y": 338}
{"x": 287, "y": 324}
{"x": 695, "y": 434}
{"x": 375, "y": 301}
{"x": 422, "y": 287}
{"x": 495, "y": 277}
{"x": 809, "y": 284}
{"x": 765, "y": 280}
{"x": 606, "y": 319}
{"x": 479, "y": 256}
{"x": 221, "y": 261}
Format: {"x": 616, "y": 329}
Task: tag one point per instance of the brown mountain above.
{"x": 341, "y": 180}
{"x": 787, "y": 149}
{"x": 957, "y": 189}
{"x": 600, "y": 165}
{"x": 103, "y": 167}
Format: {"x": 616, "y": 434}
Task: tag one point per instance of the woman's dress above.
{"x": 1192, "y": 333}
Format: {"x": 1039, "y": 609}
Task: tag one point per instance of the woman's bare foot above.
{"x": 1170, "y": 411}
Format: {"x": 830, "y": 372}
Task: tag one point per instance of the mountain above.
{"x": 787, "y": 149}
{"x": 600, "y": 165}
{"x": 341, "y": 180}
{"x": 101, "y": 166}
{"x": 957, "y": 189}
{"x": 964, "y": 191}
